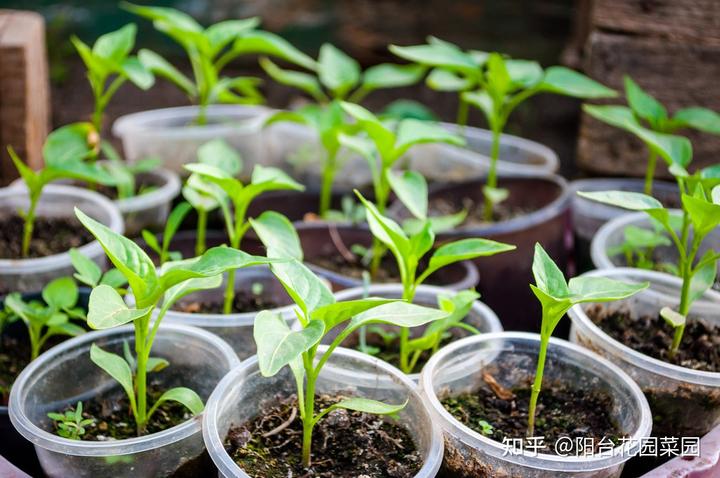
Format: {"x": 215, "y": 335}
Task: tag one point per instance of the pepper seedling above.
{"x": 54, "y": 315}
{"x": 496, "y": 85}
{"x": 229, "y": 191}
{"x": 408, "y": 251}
{"x": 150, "y": 287}
{"x": 700, "y": 216}
{"x": 338, "y": 77}
{"x": 318, "y": 313}
{"x": 174, "y": 220}
{"x": 71, "y": 424}
{"x": 556, "y": 297}
{"x": 65, "y": 153}
{"x": 209, "y": 50}
{"x": 648, "y": 119}
{"x": 124, "y": 174}
{"x": 638, "y": 246}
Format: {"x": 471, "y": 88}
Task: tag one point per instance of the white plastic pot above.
{"x": 65, "y": 374}
{"x": 30, "y": 275}
{"x": 611, "y": 234}
{"x": 669, "y": 387}
{"x": 172, "y": 135}
{"x": 511, "y": 357}
{"x": 236, "y": 329}
{"x": 480, "y": 315}
{"x": 240, "y": 396}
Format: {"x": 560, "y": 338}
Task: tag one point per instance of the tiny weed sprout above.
{"x": 71, "y": 424}
{"x": 217, "y": 167}
{"x": 65, "y": 153}
{"x": 209, "y": 51}
{"x": 700, "y": 216}
{"x": 174, "y": 220}
{"x": 150, "y": 287}
{"x": 556, "y": 297}
{"x": 496, "y": 85}
{"x": 109, "y": 65}
{"x": 318, "y": 313}
{"x": 52, "y": 316}
{"x": 408, "y": 251}
{"x": 648, "y": 119}
{"x": 338, "y": 76}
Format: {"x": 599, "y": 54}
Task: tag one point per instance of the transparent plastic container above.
{"x": 171, "y": 135}
{"x": 296, "y": 149}
{"x": 611, "y": 234}
{"x": 31, "y": 275}
{"x": 504, "y": 278}
{"x": 480, "y": 315}
{"x": 684, "y": 402}
{"x": 243, "y": 392}
{"x": 236, "y": 329}
{"x": 588, "y": 216}
{"x": 65, "y": 374}
{"x": 150, "y": 210}
{"x": 511, "y": 357}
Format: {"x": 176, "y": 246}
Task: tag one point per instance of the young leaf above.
{"x": 444, "y": 80}
{"x": 548, "y": 277}
{"x": 61, "y": 293}
{"x": 174, "y": 220}
{"x": 624, "y": 199}
{"x": 302, "y": 81}
{"x": 161, "y": 67}
{"x": 267, "y": 43}
{"x": 337, "y": 71}
{"x": 151, "y": 241}
{"x": 642, "y": 104}
{"x": 69, "y": 144}
{"x": 704, "y": 278}
{"x": 278, "y": 235}
{"x": 462, "y": 250}
{"x": 115, "y": 46}
{"x": 219, "y": 154}
{"x": 277, "y": 345}
{"x": 87, "y": 271}
{"x": 155, "y": 364}
{"x": 674, "y": 319}
{"x": 117, "y": 368}
{"x": 411, "y": 189}
{"x": 388, "y": 75}
{"x": 701, "y": 119}
{"x": 365, "y": 405}
{"x": 386, "y": 230}
{"x": 182, "y": 395}
{"x": 704, "y": 215}
{"x": 412, "y": 132}
{"x": 564, "y": 81}
{"x": 437, "y": 55}
{"x": 334, "y": 314}
{"x": 189, "y": 286}
{"x": 401, "y": 314}
{"x": 106, "y": 309}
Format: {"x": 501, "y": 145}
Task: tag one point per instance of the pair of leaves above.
{"x": 174, "y": 220}
{"x": 89, "y": 273}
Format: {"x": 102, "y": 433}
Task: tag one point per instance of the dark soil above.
{"x": 51, "y": 236}
{"x": 14, "y": 357}
{"x": 562, "y": 411}
{"x": 501, "y": 212}
{"x": 345, "y": 444}
{"x": 244, "y": 302}
{"x": 652, "y": 336}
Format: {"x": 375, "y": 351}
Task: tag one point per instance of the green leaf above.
{"x": 704, "y": 215}
{"x": 137, "y": 73}
{"x": 302, "y": 81}
{"x": 267, "y": 43}
{"x": 389, "y": 75}
{"x": 189, "y": 286}
{"x": 366, "y": 405}
{"x": 98, "y": 66}
{"x": 30, "y": 177}
{"x": 564, "y": 81}
{"x": 161, "y": 67}
{"x": 444, "y": 55}
{"x": 701, "y": 119}
{"x": 402, "y": 314}
{"x": 387, "y": 231}
{"x": 277, "y": 345}
{"x": 113, "y": 278}
{"x": 481, "y": 100}
{"x": 70, "y": 143}
{"x": 704, "y": 278}
{"x": 495, "y": 195}
{"x": 221, "y": 155}
{"x": 445, "y": 80}
{"x": 184, "y": 396}
{"x": 117, "y": 368}
{"x": 642, "y": 104}
{"x": 223, "y": 33}
{"x": 673, "y": 319}
{"x": 462, "y": 250}
{"x": 61, "y": 293}
{"x": 548, "y": 277}
{"x": 169, "y": 16}
{"x": 174, "y": 221}
{"x": 107, "y": 309}
{"x": 272, "y": 179}
{"x": 403, "y": 109}
{"x": 87, "y": 271}
{"x": 337, "y": 71}
{"x": 412, "y": 132}
{"x": 127, "y": 257}
{"x": 151, "y": 241}
{"x": 421, "y": 243}
{"x": 155, "y": 364}
{"x": 601, "y": 289}
{"x": 215, "y": 175}
{"x": 412, "y": 190}
{"x": 334, "y": 314}
{"x": 524, "y": 73}
{"x": 115, "y": 46}
{"x": 278, "y": 235}
{"x": 438, "y": 224}
{"x": 498, "y": 81}
{"x": 624, "y": 199}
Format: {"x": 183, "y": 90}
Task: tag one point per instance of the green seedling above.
{"x": 209, "y": 50}
{"x": 337, "y": 77}
{"x": 556, "y": 297}
{"x": 318, "y": 313}
{"x": 174, "y": 220}
{"x": 109, "y": 65}
{"x": 52, "y": 316}
{"x": 638, "y": 246}
{"x": 234, "y": 197}
{"x": 123, "y": 174}
{"x": 89, "y": 273}
{"x": 648, "y": 119}
{"x": 409, "y": 250}
{"x": 700, "y": 216}
{"x": 485, "y": 428}
{"x": 496, "y": 85}
{"x": 150, "y": 287}
{"x": 71, "y": 424}
{"x": 65, "y": 152}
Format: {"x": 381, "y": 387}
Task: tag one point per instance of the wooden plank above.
{"x": 697, "y": 20}
{"x": 24, "y": 89}
{"x": 679, "y": 74}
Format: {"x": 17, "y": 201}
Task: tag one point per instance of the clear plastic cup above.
{"x": 171, "y": 135}
{"x": 65, "y": 374}
{"x": 511, "y": 357}
{"x": 684, "y": 402}
{"x": 150, "y": 210}
{"x": 480, "y": 315}
{"x": 236, "y": 329}
{"x": 243, "y": 392}
{"x": 31, "y": 275}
